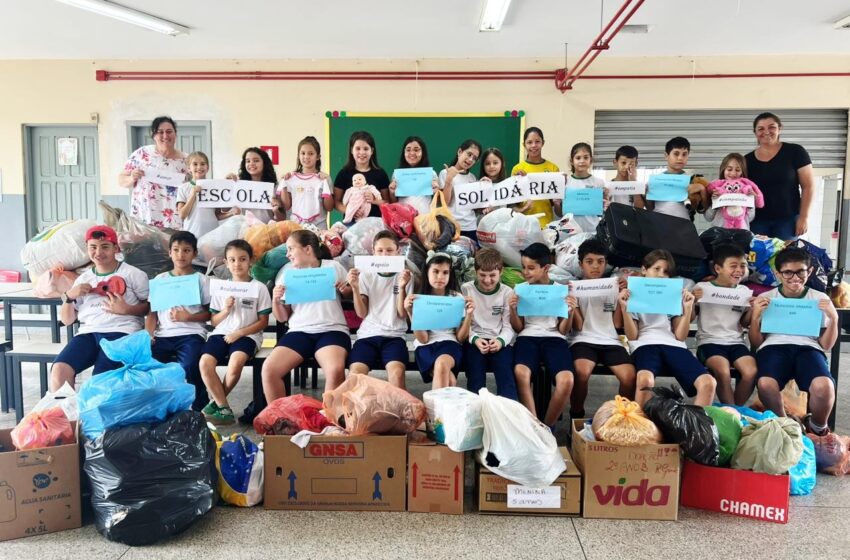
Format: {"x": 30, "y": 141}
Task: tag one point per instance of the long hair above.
{"x": 498, "y": 153}
{"x": 465, "y": 146}
{"x": 268, "y": 167}
{"x": 424, "y": 162}
{"x": 439, "y": 258}
{"x": 742, "y": 161}
{"x": 311, "y": 141}
{"x": 307, "y": 238}
{"x": 369, "y": 139}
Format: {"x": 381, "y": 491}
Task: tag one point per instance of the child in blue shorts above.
{"x": 782, "y": 357}
{"x": 658, "y": 341}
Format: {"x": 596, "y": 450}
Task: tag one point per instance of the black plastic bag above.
{"x": 715, "y": 236}
{"x": 685, "y": 424}
{"x": 152, "y": 481}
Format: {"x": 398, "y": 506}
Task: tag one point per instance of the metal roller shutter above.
{"x": 713, "y": 134}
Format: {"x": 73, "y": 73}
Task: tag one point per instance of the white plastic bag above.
{"x": 62, "y": 245}
{"x": 211, "y": 244}
{"x": 559, "y": 230}
{"x": 566, "y": 253}
{"x": 359, "y": 237}
{"x": 517, "y": 446}
{"x": 454, "y": 417}
{"x": 509, "y": 232}
{"x": 65, "y": 398}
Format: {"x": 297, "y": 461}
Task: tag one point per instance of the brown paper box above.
{"x": 434, "y": 479}
{"x": 39, "y": 489}
{"x": 365, "y": 473}
{"x": 623, "y": 482}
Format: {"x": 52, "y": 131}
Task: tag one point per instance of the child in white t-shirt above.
{"x": 459, "y": 172}
{"x": 306, "y": 193}
{"x": 581, "y": 161}
{"x": 198, "y": 221}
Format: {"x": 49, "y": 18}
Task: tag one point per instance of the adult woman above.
{"x": 784, "y": 173}
{"x": 362, "y": 158}
{"x": 154, "y": 203}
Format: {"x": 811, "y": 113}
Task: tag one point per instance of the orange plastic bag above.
{"x": 832, "y": 453}
{"x": 622, "y": 422}
{"x": 287, "y": 416}
{"x": 428, "y": 227}
{"x": 794, "y": 401}
{"x": 54, "y": 283}
{"x": 365, "y": 405}
{"x": 42, "y": 429}
{"x": 264, "y": 237}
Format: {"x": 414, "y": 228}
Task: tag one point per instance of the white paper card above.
{"x": 164, "y": 177}
{"x": 526, "y": 497}
{"x": 735, "y": 297}
{"x": 601, "y": 287}
{"x": 387, "y": 264}
{"x": 224, "y": 193}
{"x": 619, "y": 188}
{"x": 227, "y": 288}
{"x": 734, "y": 199}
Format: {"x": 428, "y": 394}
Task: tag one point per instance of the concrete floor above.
{"x": 818, "y": 527}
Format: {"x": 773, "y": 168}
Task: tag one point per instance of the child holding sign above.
{"x": 238, "y": 333}
{"x": 676, "y": 152}
{"x": 198, "y": 221}
{"x": 626, "y": 162}
{"x": 658, "y": 340}
{"x": 438, "y": 352}
{"x": 733, "y": 180}
{"x": 459, "y": 172}
{"x": 720, "y": 327}
{"x": 256, "y": 165}
{"x": 317, "y": 326}
{"x": 379, "y": 301}
{"x": 542, "y": 338}
{"x": 781, "y": 355}
{"x": 414, "y": 153}
{"x": 306, "y": 193}
{"x": 493, "y": 170}
{"x": 581, "y": 161}
{"x": 532, "y": 141}
{"x": 180, "y": 331}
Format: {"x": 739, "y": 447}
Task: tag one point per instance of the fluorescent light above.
{"x": 636, "y": 29}
{"x": 128, "y": 15}
{"x": 493, "y": 15}
{"x": 843, "y": 23}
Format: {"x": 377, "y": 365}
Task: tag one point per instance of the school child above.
{"x": 317, "y": 329}
{"x": 198, "y": 221}
{"x": 720, "y": 329}
{"x": 306, "y": 193}
{"x": 782, "y": 357}
{"x": 104, "y": 314}
{"x": 491, "y": 334}
{"x": 732, "y": 168}
{"x": 238, "y": 333}
{"x": 581, "y": 161}
{"x": 542, "y": 339}
{"x": 493, "y": 170}
{"x": 625, "y": 163}
{"x": 256, "y": 165}
{"x": 362, "y": 158}
{"x": 594, "y": 339}
{"x": 657, "y": 341}
{"x": 676, "y": 153}
{"x": 532, "y": 141}
{"x": 459, "y": 172}
{"x": 438, "y": 353}
{"x": 379, "y": 301}
{"x": 414, "y": 153}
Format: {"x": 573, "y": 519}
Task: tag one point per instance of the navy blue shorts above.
{"x": 377, "y": 351}
{"x": 605, "y": 354}
{"x": 670, "y": 361}
{"x": 307, "y": 344}
{"x": 216, "y": 347}
{"x": 83, "y": 351}
{"x": 427, "y": 355}
{"x": 792, "y": 361}
{"x": 552, "y": 351}
{"x": 732, "y": 352}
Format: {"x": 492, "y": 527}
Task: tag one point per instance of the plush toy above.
{"x": 735, "y": 217}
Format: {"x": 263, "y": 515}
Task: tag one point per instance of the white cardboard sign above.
{"x": 619, "y": 188}
{"x": 601, "y": 287}
{"x": 224, "y": 193}
{"x": 734, "y": 199}
{"x": 386, "y": 264}
{"x": 735, "y": 297}
{"x": 227, "y": 288}
{"x": 526, "y": 497}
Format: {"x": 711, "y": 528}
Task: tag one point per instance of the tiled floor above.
{"x": 819, "y": 524}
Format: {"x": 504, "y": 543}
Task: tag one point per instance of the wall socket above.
{"x": 94, "y": 118}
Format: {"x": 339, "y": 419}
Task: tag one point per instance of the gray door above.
{"x": 54, "y": 192}
{"x": 192, "y": 136}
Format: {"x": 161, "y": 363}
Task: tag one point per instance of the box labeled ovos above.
{"x": 622, "y": 482}
{"x": 743, "y": 493}
{"x": 365, "y": 473}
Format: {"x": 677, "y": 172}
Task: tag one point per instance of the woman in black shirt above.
{"x": 362, "y": 158}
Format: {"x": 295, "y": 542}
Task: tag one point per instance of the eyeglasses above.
{"x": 789, "y": 274}
{"x": 166, "y": 132}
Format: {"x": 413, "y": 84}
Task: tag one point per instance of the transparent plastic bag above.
{"x": 430, "y": 230}
{"x": 211, "y": 244}
{"x": 65, "y": 398}
{"x": 622, "y": 422}
{"x": 358, "y": 238}
{"x": 240, "y": 467}
{"x": 399, "y": 217}
{"x": 54, "y": 283}
{"x": 509, "y": 233}
{"x": 365, "y": 405}
{"x": 42, "y": 429}
{"x": 62, "y": 245}
{"x": 832, "y": 453}
{"x": 454, "y": 418}
{"x": 287, "y": 416}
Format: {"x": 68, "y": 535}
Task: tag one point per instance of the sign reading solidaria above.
{"x": 734, "y": 199}
{"x": 224, "y": 193}
{"x": 736, "y": 297}
{"x": 602, "y": 287}
{"x": 519, "y": 188}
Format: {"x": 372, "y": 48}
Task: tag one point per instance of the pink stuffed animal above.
{"x": 735, "y": 217}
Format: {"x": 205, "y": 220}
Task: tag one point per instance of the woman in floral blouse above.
{"x": 153, "y": 203}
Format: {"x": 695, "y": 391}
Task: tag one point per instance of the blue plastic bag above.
{"x": 240, "y": 465}
{"x": 144, "y": 390}
{"x": 804, "y": 474}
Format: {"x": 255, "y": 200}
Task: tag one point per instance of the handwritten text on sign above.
{"x": 305, "y": 285}
{"x": 164, "y": 177}
{"x": 619, "y": 188}
{"x": 437, "y": 312}
{"x": 387, "y": 264}
{"x": 734, "y": 199}
{"x": 223, "y": 193}
{"x": 534, "y": 186}
{"x": 736, "y": 297}
{"x": 228, "y": 288}
{"x": 174, "y": 291}
{"x": 526, "y": 497}
{"x": 792, "y": 316}
{"x": 655, "y": 295}
{"x": 602, "y": 287}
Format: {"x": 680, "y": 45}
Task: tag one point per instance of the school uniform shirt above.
{"x": 93, "y": 316}
{"x": 317, "y": 316}
{"x": 773, "y": 339}
{"x": 422, "y": 204}
{"x": 587, "y": 223}
{"x": 441, "y": 335}
{"x": 654, "y": 328}
{"x": 492, "y": 315}
{"x": 465, "y": 217}
{"x": 677, "y": 209}
{"x": 308, "y": 192}
{"x": 200, "y": 220}
{"x": 540, "y": 326}
{"x": 718, "y": 324}
{"x": 539, "y": 206}
{"x": 245, "y": 311}
{"x": 376, "y": 177}
{"x": 382, "y": 318}
{"x": 598, "y": 325}
{"x": 167, "y": 327}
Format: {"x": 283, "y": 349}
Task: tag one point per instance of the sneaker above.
{"x": 210, "y": 409}
{"x": 807, "y": 423}
{"x": 222, "y": 416}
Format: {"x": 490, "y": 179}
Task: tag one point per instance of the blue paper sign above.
{"x": 437, "y": 312}
{"x": 583, "y": 201}
{"x": 542, "y": 300}
{"x": 792, "y": 316}
{"x": 174, "y": 291}
{"x": 305, "y": 285}
{"x": 668, "y": 187}
{"x": 414, "y": 181}
{"x": 655, "y": 295}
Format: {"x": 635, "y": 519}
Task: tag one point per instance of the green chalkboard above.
{"x": 442, "y": 133}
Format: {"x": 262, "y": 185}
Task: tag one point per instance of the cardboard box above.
{"x": 365, "y": 473}
{"x": 39, "y": 489}
{"x": 434, "y": 478}
{"x": 623, "y": 482}
{"x": 744, "y": 493}
{"x": 499, "y": 495}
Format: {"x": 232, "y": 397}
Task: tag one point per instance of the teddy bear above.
{"x": 735, "y": 217}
